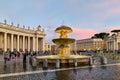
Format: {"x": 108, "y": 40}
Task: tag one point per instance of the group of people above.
{"x": 8, "y": 55}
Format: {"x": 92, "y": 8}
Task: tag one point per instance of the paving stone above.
{"x": 95, "y": 73}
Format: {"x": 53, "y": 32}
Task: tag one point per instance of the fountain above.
{"x": 63, "y": 41}
{"x": 63, "y": 50}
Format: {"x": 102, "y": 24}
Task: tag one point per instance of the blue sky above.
{"x": 85, "y": 17}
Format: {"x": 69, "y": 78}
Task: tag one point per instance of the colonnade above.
{"x": 112, "y": 45}
{"x": 21, "y": 42}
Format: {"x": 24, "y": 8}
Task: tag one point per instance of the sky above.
{"x": 85, "y": 17}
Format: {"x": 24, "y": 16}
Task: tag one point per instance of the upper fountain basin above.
{"x": 63, "y": 41}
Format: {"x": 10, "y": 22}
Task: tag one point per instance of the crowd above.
{"x": 8, "y": 55}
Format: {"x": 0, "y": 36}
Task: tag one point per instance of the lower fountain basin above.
{"x": 68, "y": 59}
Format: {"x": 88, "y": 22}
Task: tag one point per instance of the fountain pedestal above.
{"x": 63, "y": 51}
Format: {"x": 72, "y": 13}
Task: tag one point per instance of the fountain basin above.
{"x": 68, "y": 59}
{"x": 63, "y": 41}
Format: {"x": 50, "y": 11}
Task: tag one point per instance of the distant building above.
{"x": 17, "y": 38}
{"x": 53, "y": 48}
{"x": 47, "y": 46}
{"x": 90, "y": 44}
{"x": 113, "y": 42}
{"x": 73, "y": 46}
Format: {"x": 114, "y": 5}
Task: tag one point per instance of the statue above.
{"x": 5, "y": 22}
{"x": 12, "y": 24}
{"x": 63, "y": 34}
{"x": 18, "y": 25}
{"x": 28, "y": 27}
{"x": 23, "y": 26}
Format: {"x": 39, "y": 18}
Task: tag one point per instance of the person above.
{"x": 12, "y": 55}
{"x": 6, "y": 56}
{"x": 24, "y": 57}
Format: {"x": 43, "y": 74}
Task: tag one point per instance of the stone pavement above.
{"x": 17, "y": 70}
{"x": 108, "y": 72}
{"x": 1, "y": 57}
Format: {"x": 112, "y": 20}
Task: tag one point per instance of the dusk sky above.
{"x": 85, "y": 17}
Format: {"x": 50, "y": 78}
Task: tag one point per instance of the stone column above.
{"x": 23, "y": 43}
{"x": 18, "y": 42}
{"x": 36, "y": 43}
{"x": 11, "y": 42}
{"x": 5, "y": 41}
{"x": 109, "y": 46}
{"x": 33, "y": 43}
{"x": 117, "y": 45}
{"x": 28, "y": 43}
{"x": 114, "y": 47}
{"x": 43, "y": 44}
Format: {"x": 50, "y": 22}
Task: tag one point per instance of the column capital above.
{"x": 11, "y": 33}
{"x": 5, "y": 32}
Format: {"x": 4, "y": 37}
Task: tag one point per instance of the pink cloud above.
{"x": 82, "y": 33}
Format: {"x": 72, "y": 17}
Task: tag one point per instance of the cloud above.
{"x": 82, "y": 33}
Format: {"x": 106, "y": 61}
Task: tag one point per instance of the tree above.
{"x": 115, "y": 31}
{"x": 101, "y": 35}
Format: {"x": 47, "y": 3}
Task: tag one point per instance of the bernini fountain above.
{"x": 63, "y": 51}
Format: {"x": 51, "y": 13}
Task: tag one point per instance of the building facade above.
{"x": 21, "y": 39}
{"x": 113, "y": 42}
{"x": 90, "y": 44}
{"x": 47, "y": 46}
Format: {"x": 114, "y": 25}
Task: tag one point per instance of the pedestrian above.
{"x": 6, "y": 55}
{"x": 12, "y": 55}
{"x": 24, "y": 57}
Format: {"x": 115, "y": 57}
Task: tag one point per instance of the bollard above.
{"x": 57, "y": 63}
{"x": 103, "y": 60}
{"x": 90, "y": 61}
{"x": 34, "y": 62}
{"x": 75, "y": 62}
{"x": 45, "y": 63}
